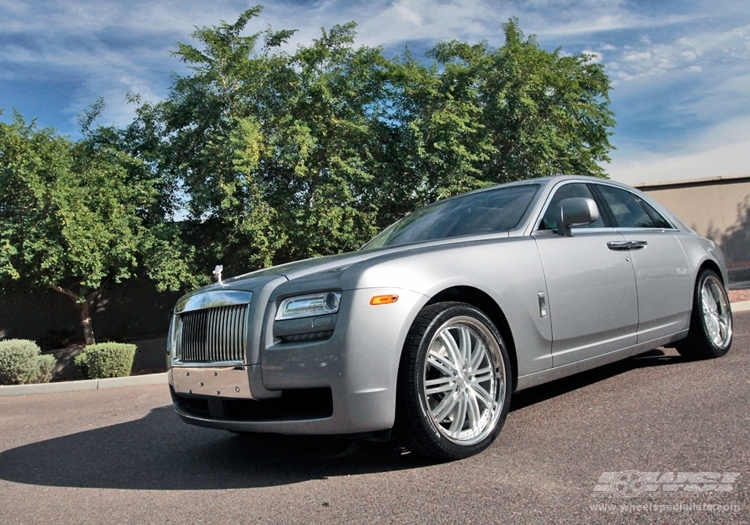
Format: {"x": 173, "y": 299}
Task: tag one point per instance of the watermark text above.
{"x": 632, "y": 483}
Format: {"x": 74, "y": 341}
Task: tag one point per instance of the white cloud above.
{"x": 424, "y": 20}
{"x": 596, "y": 56}
{"x": 407, "y": 14}
{"x": 730, "y": 159}
{"x": 721, "y": 150}
{"x": 692, "y": 53}
{"x": 107, "y": 48}
{"x": 585, "y": 23}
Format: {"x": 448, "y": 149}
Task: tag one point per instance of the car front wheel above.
{"x": 710, "y": 332}
{"x": 454, "y": 382}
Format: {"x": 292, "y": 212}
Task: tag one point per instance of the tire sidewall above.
{"x": 698, "y": 344}
{"x": 450, "y": 311}
{"x": 705, "y": 276}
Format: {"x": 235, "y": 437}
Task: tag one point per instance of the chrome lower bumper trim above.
{"x": 212, "y": 381}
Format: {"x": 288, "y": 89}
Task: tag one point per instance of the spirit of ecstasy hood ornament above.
{"x": 217, "y": 273}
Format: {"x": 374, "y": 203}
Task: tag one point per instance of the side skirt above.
{"x": 545, "y": 376}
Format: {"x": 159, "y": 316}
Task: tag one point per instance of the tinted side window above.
{"x": 657, "y": 217}
{"x": 630, "y": 211}
{"x": 567, "y": 191}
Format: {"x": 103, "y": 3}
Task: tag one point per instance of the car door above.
{"x": 663, "y": 279}
{"x": 591, "y": 291}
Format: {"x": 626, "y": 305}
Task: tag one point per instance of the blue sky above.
{"x": 680, "y": 69}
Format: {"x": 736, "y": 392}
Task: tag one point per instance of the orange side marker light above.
{"x": 383, "y": 299}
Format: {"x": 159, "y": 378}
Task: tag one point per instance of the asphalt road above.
{"x": 122, "y": 456}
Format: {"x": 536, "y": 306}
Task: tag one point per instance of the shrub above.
{"x": 21, "y": 364}
{"x": 46, "y": 367}
{"x": 105, "y": 360}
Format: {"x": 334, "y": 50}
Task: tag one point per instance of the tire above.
{"x": 454, "y": 383}
{"x": 710, "y": 333}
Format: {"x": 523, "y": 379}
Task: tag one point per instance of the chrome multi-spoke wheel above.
{"x": 464, "y": 380}
{"x": 454, "y": 382}
{"x": 717, "y": 318}
{"x": 710, "y": 332}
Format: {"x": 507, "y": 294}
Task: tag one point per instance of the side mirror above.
{"x": 575, "y": 212}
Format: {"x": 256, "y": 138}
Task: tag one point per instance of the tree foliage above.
{"x": 77, "y": 215}
{"x": 274, "y": 150}
{"x": 285, "y": 155}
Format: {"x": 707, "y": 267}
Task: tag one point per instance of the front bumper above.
{"x": 345, "y": 384}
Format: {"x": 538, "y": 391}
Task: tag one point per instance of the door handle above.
{"x": 626, "y": 245}
{"x": 618, "y": 245}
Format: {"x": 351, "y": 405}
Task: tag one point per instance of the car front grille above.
{"x": 213, "y": 334}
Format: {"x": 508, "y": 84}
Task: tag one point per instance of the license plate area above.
{"x": 212, "y": 381}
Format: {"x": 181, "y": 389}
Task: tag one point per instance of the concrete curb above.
{"x": 86, "y": 384}
{"x": 148, "y": 379}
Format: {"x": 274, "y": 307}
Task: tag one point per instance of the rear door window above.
{"x": 630, "y": 211}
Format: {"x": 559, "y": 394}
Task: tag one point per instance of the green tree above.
{"x": 284, "y": 155}
{"x": 205, "y": 139}
{"x": 77, "y": 215}
{"x": 320, "y": 163}
{"x": 480, "y": 115}
{"x": 545, "y": 113}
{"x": 272, "y": 149}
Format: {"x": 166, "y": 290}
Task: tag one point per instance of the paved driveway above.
{"x": 653, "y": 439}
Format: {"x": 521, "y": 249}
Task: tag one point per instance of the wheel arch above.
{"x": 709, "y": 264}
{"x": 701, "y": 341}
{"x": 480, "y": 299}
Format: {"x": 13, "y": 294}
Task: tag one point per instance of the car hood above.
{"x": 297, "y": 269}
{"x": 334, "y": 263}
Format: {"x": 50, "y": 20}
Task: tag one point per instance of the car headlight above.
{"x": 323, "y": 303}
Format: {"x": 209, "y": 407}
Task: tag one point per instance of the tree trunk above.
{"x": 88, "y": 329}
{"x": 83, "y": 309}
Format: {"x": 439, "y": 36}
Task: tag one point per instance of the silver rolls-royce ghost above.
{"x": 428, "y": 329}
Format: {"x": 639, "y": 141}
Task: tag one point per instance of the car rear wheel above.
{"x": 710, "y": 332}
{"x": 454, "y": 382}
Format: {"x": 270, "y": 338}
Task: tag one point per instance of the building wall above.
{"x": 717, "y": 208}
{"x": 127, "y": 311}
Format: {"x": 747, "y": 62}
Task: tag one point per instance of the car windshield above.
{"x": 490, "y": 211}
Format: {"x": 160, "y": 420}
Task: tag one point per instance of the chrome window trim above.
{"x": 657, "y": 211}
{"x": 632, "y": 229}
{"x": 536, "y": 223}
{"x": 579, "y": 231}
